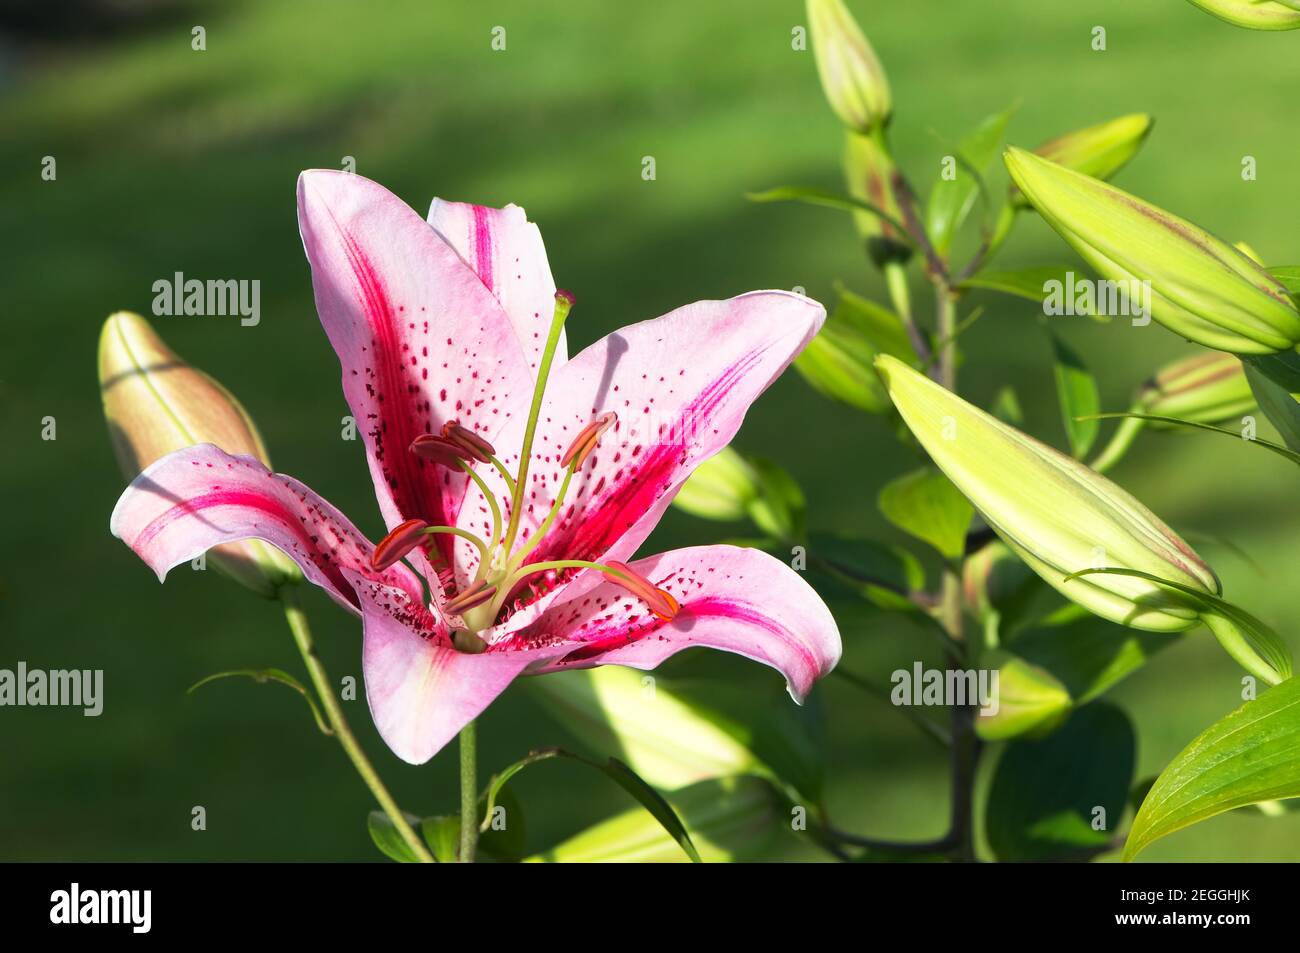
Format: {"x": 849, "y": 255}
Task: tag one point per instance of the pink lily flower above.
{"x": 450, "y": 336}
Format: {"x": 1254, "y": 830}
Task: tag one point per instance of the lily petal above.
{"x": 680, "y": 385}
{"x": 732, "y": 598}
{"x": 200, "y": 497}
{"x": 421, "y": 690}
{"x": 420, "y": 338}
{"x": 506, "y": 252}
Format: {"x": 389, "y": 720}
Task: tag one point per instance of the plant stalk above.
{"x": 334, "y": 715}
{"x": 468, "y": 794}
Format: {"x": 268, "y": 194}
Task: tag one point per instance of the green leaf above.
{"x": 825, "y": 199}
{"x": 664, "y": 737}
{"x": 442, "y": 834}
{"x": 1289, "y": 275}
{"x": 264, "y": 675}
{"x": 1249, "y": 756}
{"x": 1048, "y": 796}
{"x": 1255, "y": 646}
{"x": 1006, "y": 407}
{"x": 951, "y": 199}
{"x": 885, "y": 575}
{"x": 926, "y": 505}
{"x": 1278, "y": 404}
{"x": 1283, "y": 368}
{"x": 778, "y": 509}
{"x": 1291, "y": 455}
{"x": 732, "y": 819}
{"x": 503, "y": 835}
{"x": 388, "y": 840}
{"x": 1029, "y": 700}
{"x": 838, "y": 361}
{"x": 616, "y": 771}
{"x": 1076, "y": 390}
{"x": 1029, "y": 283}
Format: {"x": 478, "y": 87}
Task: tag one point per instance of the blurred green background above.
{"x": 174, "y": 160}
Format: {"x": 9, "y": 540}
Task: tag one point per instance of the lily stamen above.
{"x": 659, "y": 601}
{"x": 475, "y": 595}
{"x": 438, "y": 449}
{"x": 468, "y": 440}
{"x": 585, "y": 442}
{"x": 400, "y": 540}
{"x": 407, "y": 536}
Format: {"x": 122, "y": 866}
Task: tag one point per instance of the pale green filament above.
{"x": 517, "y": 560}
{"x": 485, "y": 553}
{"x": 562, "y": 306}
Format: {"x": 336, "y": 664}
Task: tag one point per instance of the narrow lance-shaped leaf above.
{"x": 616, "y": 771}
{"x": 1255, "y": 646}
{"x": 264, "y": 675}
{"x": 1247, "y": 757}
{"x": 1076, "y": 390}
{"x": 959, "y": 185}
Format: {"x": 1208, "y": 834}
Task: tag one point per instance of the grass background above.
{"x": 174, "y": 160}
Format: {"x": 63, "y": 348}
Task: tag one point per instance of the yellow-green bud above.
{"x": 155, "y": 403}
{"x": 1099, "y": 151}
{"x": 1207, "y": 388}
{"x": 1255, "y": 14}
{"x": 870, "y": 172}
{"x": 1056, "y": 514}
{"x": 1200, "y": 287}
{"x": 852, "y": 77}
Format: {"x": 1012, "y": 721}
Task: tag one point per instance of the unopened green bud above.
{"x": 1199, "y": 287}
{"x": 155, "y": 403}
{"x": 1099, "y": 151}
{"x": 1207, "y": 388}
{"x": 1255, "y": 14}
{"x": 1056, "y": 514}
{"x": 852, "y": 77}
{"x": 870, "y": 173}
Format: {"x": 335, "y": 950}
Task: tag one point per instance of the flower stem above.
{"x": 334, "y": 714}
{"x": 468, "y": 794}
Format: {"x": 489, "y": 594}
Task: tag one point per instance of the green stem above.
{"x": 965, "y": 749}
{"x": 334, "y": 714}
{"x": 562, "y": 306}
{"x": 468, "y": 795}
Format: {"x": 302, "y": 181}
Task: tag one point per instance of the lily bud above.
{"x": 870, "y": 172}
{"x": 1099, "y": 151}
{"x": 1207, "y": 388}
{"x": 852, "y": 77}
{"x": 1201, "y": 288}
{"x": 155, "y": 403}
{"x": 720, "y": 488}
{"x": 1255, "y": 14}
{"x": 1056, "y": 514}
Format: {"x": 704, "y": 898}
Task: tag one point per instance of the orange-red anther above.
{"x": 660, "y": 601}
{"x": 586, "y": 440}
